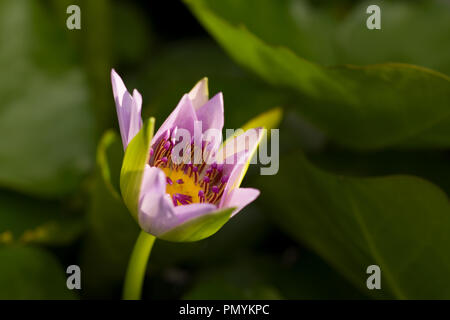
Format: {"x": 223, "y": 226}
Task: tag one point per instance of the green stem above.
{"x": 134, "y": 278}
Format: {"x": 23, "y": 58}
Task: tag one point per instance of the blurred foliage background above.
{"x": 364, "y": 174}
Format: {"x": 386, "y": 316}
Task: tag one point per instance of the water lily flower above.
{"x": 187, "y": 201}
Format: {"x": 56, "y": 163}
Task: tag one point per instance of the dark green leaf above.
{"x": 336, "y": 34}
{"x": 363, "y": 107}
{"x": 31, "y": 273}
{"x": 398, "y": 222}
{"x": 45, "y": 122}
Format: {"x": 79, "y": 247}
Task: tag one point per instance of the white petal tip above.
{"x": 199, "y": 94}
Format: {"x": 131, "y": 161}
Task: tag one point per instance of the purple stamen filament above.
{"x": 199, "y": 183}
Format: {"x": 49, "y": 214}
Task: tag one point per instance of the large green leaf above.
{"x": 45, "y": 123}
{"x": 432, "y": 165}
{"x": 359, "y": 106}
{"x": 408, "y": 34}
{"x": 337, "y": 34}
{"x": 31, "y": 273}
{"x": 400, "y": 223}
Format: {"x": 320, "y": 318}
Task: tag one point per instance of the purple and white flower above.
{"x": 174, "y": 193}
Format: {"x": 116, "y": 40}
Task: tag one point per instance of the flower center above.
{"x": 185, "y": 182}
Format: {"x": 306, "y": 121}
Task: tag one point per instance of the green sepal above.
{"x": 109, "y": 160}
{"x": 199, "y": 228}
{"x": 136, "y": 157}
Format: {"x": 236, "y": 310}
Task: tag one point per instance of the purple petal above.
{"x": 199, "y": 94}
{"x": 119, "y": 91}
{"x": 191, "y": 211}
{"x": 211, "y": 113}
{"x": 124, "y": 116}
{"x": 153, "y": 202}
{"x": 153, "y": 182}
{"x": 157, "y": 214}
{"x": 135, "y": 116}
{"x": 243, "y": 152}
{"x": 182, "y": 117}
{"x": 240, "y": 197}
{"x": 230, "y": 163}
{"x": 138, "y": 99}
{"x": 128, "y": 109}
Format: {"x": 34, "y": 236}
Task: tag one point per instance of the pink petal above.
{"x": 242, "y": 152}
{"x": 118, "y": 86}
{"x": 157, "y": 214}
{"x": 124, "y": 112}
{"x": 153, "y": 181}
{"x": 211, "y": 113}
{"x": 138, "y": 100}
{"x": 182, "y": 117}
{"x": 128, "y": 109}
{"x": 135, "y": 123}
{"x": 199, "y": 93}
{"x": 153, "y": 202}
{"x": 240, "y": 197}
{"x": 192, "y": 211}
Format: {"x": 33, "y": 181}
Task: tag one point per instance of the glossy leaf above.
{"x": 334, "y": 32}
{"x": 399, "y": 223}
{"x": 45, "y": 122}
{"x": 363, "y": 107}
{"x": 407, "y": 34}
{"x": 31, "y": 273}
